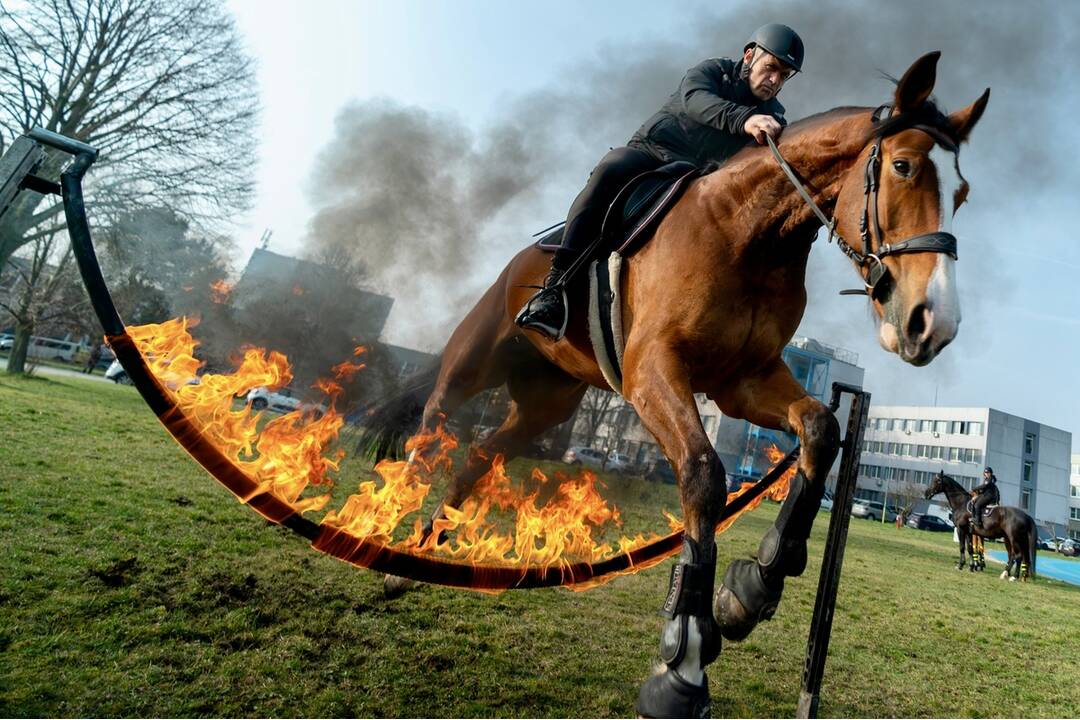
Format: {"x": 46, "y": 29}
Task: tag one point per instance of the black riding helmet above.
{"x": 781, "y": 41}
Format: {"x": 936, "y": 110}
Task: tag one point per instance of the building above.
{"x": 317, "y": 291}
{"x": 906, "y": 445}
{"x": 1074, "y": 498}
{"x": 740, "y": 444}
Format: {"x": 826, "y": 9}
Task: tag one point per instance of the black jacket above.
{"x": 989, "y": 489}
{"x": 703, "y": 121}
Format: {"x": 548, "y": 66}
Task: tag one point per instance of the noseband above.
{"x": 876, "y": 271}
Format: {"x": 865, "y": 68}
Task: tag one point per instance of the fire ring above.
{"x": 331, "y": 541}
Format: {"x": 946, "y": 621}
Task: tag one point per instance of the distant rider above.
{"x": 719, "y": 105}
{"x": 985, "y": 494}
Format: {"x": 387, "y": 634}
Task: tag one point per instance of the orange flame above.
{"x": 504, "y": 523}
{"x": 220, "y": 291}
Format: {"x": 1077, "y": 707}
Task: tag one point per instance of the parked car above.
{"x": 584, "y": 456}
{"x": 827, "y": 501}
{"x": 619, "y": 463}
{"x": 282, "y": 401}
{"x": 117, "y": 373}
{"x": 926, "y": 521}
{"x": 871, "y": 510}
{"x": 1069, "y": 548}
{"x": 6, "y": 342}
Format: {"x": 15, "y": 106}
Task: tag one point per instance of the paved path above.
{"x": 50, "y": 370}
{"x": 1059, "y": 568}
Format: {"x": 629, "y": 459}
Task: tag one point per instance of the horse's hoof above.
{"x": 736, "y": 620}
{"x": 667, "y": 695}
{"x": 1012, "y": 579}
{"x": 395, "y": 586}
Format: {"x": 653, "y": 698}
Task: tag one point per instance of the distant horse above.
{"x": 1011, "y": 524}
{"x": 708, "y": 305}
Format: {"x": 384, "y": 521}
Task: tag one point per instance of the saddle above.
{"x": 986, "y": 510}
{"x": 636, "y": 210}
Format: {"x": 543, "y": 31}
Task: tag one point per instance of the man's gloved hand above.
{"x": 758, "y": 126}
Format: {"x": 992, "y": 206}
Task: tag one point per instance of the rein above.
{"x": 876, "y": 271}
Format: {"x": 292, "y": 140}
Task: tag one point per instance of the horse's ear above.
{"x": 917, "y": 84}
{"x": 962, "y": 121}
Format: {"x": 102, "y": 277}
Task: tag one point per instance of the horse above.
{"x": 708, "y": 305}
{"x": 1011, "y": 524}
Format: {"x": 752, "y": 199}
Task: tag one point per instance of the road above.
{"x": 50, "y": 370}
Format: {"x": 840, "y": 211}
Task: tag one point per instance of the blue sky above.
{"x": 466, "y": 63}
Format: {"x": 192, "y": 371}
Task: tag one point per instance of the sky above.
{"x": 359, "y": 97}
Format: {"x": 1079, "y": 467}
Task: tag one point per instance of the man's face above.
{"x": 986, "y": 474}
{"x": 768, "y": 73}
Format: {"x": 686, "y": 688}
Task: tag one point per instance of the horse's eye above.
{"x": 902, "y": 167}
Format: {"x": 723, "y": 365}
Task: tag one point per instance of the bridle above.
{"x": 875, "y": 269}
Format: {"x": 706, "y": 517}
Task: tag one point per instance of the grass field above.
{"x": 132, "y": 584}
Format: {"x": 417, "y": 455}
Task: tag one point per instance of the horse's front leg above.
{"x": 751, "y": 589}
{"x": 657, "y": 383}
{"x": 965, "y": 539}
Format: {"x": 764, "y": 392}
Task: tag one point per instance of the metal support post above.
{"x": 817, "y": 647}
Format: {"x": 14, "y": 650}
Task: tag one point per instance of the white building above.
{"x": 1074, "y": 498}
{"x": 906, "y": 445}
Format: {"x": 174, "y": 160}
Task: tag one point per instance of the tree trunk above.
{"x": 17, "y": 359}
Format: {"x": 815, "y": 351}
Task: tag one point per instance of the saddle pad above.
{"x": 638, "y": 207}
{"x": 605, "y": 318}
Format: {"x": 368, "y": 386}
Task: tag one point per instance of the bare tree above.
{"x": 35, "y": 297}
{"x": 592, "y": 412}
{"x": 161, "y": 87}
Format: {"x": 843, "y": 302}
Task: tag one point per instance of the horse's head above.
{"x": 900, "y": 197}
{"x": 937, "y": 486}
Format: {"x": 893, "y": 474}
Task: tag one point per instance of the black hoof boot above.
{"x": 744, "y": 599}
{"x": 668, "y": 695}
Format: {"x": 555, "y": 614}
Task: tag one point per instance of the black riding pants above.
{"x": 586, "y": 215}
{"x": 985, "y": 498}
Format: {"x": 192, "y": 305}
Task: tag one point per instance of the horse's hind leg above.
{"x": 1010, "y": 557}
{"x": 656, "y": 383}
{"x": 541, "y": 397}
{"x": 751, "y": 589}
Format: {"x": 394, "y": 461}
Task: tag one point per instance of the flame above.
{"x": 503, "y": 523}
{"x": 777, "y": 491}
{"x": 220, "y": 291}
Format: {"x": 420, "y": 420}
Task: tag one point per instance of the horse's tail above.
{"x": 1032, "y": 547}
{"x": 392, "y": 420}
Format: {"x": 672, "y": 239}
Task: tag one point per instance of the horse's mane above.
{"x": 928, "y": 114}
{"x": 949, "y": 482}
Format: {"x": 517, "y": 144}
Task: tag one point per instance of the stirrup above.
{"x": 552, "y": 333}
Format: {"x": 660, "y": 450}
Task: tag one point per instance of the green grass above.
{"x": 132, "y": 584}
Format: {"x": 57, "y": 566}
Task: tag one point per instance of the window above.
{"x": 1029, "y": 443}
{"x": 1074, "y": 491}
{"x": 978, "y": 457}
{"x": 926, "y": 426}
{"x": 881, "y": 424}
{"x": 1074, "y": 513}
{"x": 954, "y": 454}
{"x": 905, "y": 450}
{"x": 975, "y": 428}
{"x": 909, "y": 426}
{"x": 937, "y": 452}
{"x": 896, "y": 424}
{"x": 923, "y": 451}
{"x": 1028, "y": 469}
{"x": 1025, "y": 500}
{"x": 941, "y": 426}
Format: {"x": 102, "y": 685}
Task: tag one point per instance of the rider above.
{"x": 719, "y": 105}
{"x": 985, "y": 494}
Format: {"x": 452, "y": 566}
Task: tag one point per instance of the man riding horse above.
{"x": 719, "y": 106}
{"x": 985, "y": 494}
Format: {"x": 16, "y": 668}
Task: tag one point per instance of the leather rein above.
{"x": 876, "y": 271}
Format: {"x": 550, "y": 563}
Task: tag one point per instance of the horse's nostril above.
{"x": 920, "y": 323}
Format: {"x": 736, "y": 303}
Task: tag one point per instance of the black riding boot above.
{"x": 545, "y": 311}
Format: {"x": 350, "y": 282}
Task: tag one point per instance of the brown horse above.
{"x": 709, "y": 305}
{"x": 1014, "y": 526}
